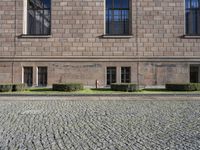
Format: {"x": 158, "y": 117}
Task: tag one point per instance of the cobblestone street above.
{"x": 99, "y": 123}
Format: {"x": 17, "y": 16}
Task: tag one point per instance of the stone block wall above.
{"x": 150, "y": 73}
{"x": 77, "y": 27}
{"x": 76, "y": 51}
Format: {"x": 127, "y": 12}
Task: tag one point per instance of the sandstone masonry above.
{"x": 76, "y": 50}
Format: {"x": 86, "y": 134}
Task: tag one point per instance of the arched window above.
{"x": 117, "y": 17}
{"x": 192, "y": 16}
{"x": 39, "y": 17}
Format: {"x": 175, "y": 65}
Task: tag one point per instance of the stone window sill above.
{"x": 35, "y": 36}
{"x": 191, "y": 36}
{"x": 117, "y": 36}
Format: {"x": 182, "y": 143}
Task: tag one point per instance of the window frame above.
{"x": 112, "y": 67}
{"x": 25, "y": 21}
{"x": 38, "y": 73}
{"x": 23, "y": 75}
{"x": 191, "y": 67}
{"x": 125, "y": 75}
{"x": 129, "y": 34}
{"x": 185, "y": 21}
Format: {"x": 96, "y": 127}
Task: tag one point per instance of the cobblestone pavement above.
{"x": 95, "y": 123}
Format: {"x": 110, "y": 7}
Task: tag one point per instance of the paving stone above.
{"x": 62, "y": 123}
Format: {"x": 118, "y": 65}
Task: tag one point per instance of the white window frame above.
{"x": 22, "y": 74}
{"x": 25, "y": 5}
{"x": 104, "y": 17}
{"x": 36, "y": 75}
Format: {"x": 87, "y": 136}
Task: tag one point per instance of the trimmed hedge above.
{"x": 12, "y": 87}
{"x": 183, "y": 87}
{"x": 19, "y": 87}
{"x": 196, "y": 86}
{"x": 6, "y": 87}
{"x": 68, "y": 87}
{"x": 126, "y": 87}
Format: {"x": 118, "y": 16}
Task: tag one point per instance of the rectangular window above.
{"x": 42, "y": 76}
{"x": 117, "y": 17}
{"x": 125, "y": 74}
{"x": 192, "y": 17}
{"x": 28, "y": 76}
{"x": 39, "y": 17}
{"x": 111, "y": 75}
{"x": 194, "y": 74}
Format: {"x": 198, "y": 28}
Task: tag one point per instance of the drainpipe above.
{"x": 137, "y": 48}
{"x": 15, "y": 35}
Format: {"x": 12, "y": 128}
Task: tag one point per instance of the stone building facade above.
{"x": 156, "y": 51}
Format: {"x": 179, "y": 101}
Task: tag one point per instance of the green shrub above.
{"x": 12, "y": 87}
{"x": 181, "y": 87}
{"x": 127, "y": 87}
{"x": 6, "y": 87}
{"x": 196, "y": 86}
{"x": 19, "y": 87}
{"x": 68, "y": 87}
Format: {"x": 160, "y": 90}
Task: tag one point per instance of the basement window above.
{"x": 111, "y": 75}
{"x": 42, "y": 76}
{"x": 28, "y": 76}
{"x": 125, "y": 74}
{"x": 194, "y": 74}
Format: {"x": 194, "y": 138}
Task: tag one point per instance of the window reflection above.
{"x": 117, "y": 17}
{"x": 39, "y": 17}
{"x": 192, "y": 17}
{"x": 194, "y": 3}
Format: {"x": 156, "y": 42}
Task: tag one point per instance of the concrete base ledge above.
{"x": 102, "y": 95}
